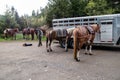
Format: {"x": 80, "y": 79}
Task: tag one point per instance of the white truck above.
{"x": 110, "y": 27}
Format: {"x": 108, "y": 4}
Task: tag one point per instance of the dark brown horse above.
{"x": 84, "y": 35}
{"x": 27, "y": 32}
{"x": 60, "y": 35}
{"x": 10, "y": 32}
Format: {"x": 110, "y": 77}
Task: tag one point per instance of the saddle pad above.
{"x": 61, "y": 33}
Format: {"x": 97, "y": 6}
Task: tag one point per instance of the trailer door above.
{"x": 106, "y": 30}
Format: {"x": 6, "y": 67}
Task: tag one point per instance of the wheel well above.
{"x": 118, "y": 42}
{"x": 70, "y": 42}
{"x": 62, "y": 43}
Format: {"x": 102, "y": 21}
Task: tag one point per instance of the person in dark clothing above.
{"x": 40, "y": 34}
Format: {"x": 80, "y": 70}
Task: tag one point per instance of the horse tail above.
{"x": 75, "y": 44}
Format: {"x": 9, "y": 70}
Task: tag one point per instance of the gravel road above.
{"x": 35, "y": 63}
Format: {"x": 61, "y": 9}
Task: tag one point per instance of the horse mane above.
{"x": 95, "y": 25}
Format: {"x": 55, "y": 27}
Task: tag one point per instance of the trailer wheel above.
{"x": 71, "y": 44}
{"x": 62, "y": 44}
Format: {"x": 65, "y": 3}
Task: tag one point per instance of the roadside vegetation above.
{"x": 56, "y": 9}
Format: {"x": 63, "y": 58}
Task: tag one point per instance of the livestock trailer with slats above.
{"x": 109, "y": 27}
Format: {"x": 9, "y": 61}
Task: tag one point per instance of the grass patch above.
{"x": 1, "y": 39}
{"x": 19, "y": 37}
{"x": 43, "y": 38}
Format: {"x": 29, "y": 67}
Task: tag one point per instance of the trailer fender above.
{"x": 118, "y": 42}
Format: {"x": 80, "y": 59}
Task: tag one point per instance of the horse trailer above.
{"x": 109, "y": 27}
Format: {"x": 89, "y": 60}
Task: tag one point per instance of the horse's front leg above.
{"x": 32, "y": 36}
{"x": 47, "y": 47}
{"x": 15, "y": 36}
{"x": 86, "y": 49}
{"x": 78, "y": 55}
{"x": 66, "y": 44}
{"x": 5, "y": 36}
{"x": 90, "y": 50}
{"x": 50, "y": 46}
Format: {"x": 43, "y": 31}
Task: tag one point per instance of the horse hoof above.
{"x": 78, "y": 60}
{"x": 90, "y": 54}
{"x": 47, "y": 50}
{"x": 51, "y": 50}
{"x": 86, "y": 53}
{"x": 66, "y": 50}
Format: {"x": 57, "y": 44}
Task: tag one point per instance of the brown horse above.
{"x": 10, "y": 33}
{"x": 28, "y": 31}
{"x": 84, "y": 35}
{"x": 61, "y": 35}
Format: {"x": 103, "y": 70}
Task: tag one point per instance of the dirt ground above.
{"x": 34, "y": 63}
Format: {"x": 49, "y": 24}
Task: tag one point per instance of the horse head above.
{"x": 96, "y": 27}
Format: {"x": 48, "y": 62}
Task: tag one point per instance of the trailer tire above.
{"x": 118, "y": 42}
{"x": 62, "y": 44}
{"x": 71, "y": 43}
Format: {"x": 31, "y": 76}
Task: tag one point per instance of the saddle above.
{"x": 90, "y": 30}
{"x": 61, "y": 32}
